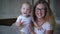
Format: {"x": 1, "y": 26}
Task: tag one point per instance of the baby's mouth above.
{"x": 25, "y": 13}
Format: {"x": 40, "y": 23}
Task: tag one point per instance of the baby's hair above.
{"x": 27, "y": 3}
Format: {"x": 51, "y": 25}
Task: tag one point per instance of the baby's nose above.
{"x": 25, "y": 10}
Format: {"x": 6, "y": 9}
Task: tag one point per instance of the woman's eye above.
{"x": 43, "y": 8}
{"x": 27, "y": 9}
{"x": 40, "y": 9}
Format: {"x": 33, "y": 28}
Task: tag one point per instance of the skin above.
{"x": 40, "y": 13}
{"x": 25, "y": 10}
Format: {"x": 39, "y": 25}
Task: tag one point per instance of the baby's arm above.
{"x": 19, "y": 24}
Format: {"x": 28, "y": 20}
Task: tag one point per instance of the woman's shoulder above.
{"x": 46, "y": 23}
{"x": 47, "y": 26}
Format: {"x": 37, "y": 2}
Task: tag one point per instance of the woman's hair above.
{"x": 48, "y": 13}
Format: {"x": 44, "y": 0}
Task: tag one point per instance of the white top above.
{"x": 26, "y": 21}
{"x": 45, "y": 26}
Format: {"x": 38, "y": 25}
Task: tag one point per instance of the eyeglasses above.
{"x": 38, "y": 9}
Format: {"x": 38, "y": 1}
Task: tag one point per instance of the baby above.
{"x": 23, "y": 21}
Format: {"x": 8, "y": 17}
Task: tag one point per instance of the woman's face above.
{"x": 40, "y": 11}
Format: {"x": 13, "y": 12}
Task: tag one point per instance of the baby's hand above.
{"x": 22, "y": 23}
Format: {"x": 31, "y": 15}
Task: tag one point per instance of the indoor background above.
{"x": 10, "y": 10}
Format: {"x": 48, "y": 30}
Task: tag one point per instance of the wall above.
{"x": 56, "y": 7}
{"x": 10, "y": 8}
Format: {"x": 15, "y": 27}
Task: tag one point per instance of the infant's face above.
{"x": 25, "y": 10}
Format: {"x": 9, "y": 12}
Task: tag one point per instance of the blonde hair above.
{"x": 27, "y": 3}
{"x": 48, "y": 13}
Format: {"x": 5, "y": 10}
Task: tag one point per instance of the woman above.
{"x": 43, "y": 17}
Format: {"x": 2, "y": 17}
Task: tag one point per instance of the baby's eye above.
{"x": 23, "y": 8}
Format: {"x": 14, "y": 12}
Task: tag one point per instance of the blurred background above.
{"x": 10, "y": 10}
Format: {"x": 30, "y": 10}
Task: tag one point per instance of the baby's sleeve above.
{"x": 18, "y": 19}
{"x": 48, "y": 26}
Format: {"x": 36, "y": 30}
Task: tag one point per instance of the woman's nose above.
{"x": 39, "y": 11}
